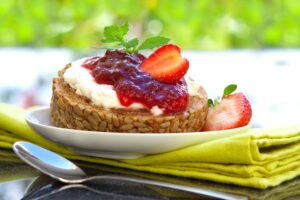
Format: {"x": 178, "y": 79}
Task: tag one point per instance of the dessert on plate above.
{"x": 125, "y": 91}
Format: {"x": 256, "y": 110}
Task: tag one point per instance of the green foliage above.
{"x": 194, "y": 24}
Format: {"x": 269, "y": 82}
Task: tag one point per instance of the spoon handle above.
{"x": 196, "y": 190}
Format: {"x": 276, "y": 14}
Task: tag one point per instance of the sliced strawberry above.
{"x": 166, "y": 64}
{"x": 232, "y": 112}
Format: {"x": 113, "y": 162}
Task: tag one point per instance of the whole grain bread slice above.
{"x": 70, "y": 110}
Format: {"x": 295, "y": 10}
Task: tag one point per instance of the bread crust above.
{"x": 70, "y": 110}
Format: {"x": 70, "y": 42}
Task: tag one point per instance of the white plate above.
{"x": 119, "y": 145}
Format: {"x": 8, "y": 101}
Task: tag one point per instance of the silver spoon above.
{"x": 66, "y": 171}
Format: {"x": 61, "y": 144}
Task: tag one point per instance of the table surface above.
{"x": 20, "y": 181}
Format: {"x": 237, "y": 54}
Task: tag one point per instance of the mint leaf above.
{"x": 210, "y": 103}
{"x": 131, "y": 43}
{"x": 229, "y": 90}
{"x": 153, "y": 42}
{"x": 115, "y": 33}
{"x": 123, "y": 29}
{"x": 213, "y": 103}
{"x": 111, "y": 34}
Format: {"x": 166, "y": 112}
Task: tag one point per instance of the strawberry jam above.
{"x": 132, "y": 85}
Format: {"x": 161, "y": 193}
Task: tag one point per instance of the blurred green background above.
{"x": 193, "y": 24}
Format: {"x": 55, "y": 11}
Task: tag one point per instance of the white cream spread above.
{"x": 193, "y": 86}
{"x": 104, "y": 95}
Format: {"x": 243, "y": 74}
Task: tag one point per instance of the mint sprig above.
{"x": 227, "y": 91}
{"x": 116, "y": 34}
{"x": 153, "y": 42}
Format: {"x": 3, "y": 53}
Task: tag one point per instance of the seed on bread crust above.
{"x": 70, "y": 110}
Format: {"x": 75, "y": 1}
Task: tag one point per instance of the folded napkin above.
{"x": 259, "y": 158}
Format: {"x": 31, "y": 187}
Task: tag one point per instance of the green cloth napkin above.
{"x": 259, "y": 158}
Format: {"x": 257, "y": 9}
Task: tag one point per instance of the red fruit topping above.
{"x": 133, "y": 85}
{"x": 233, "y": 111}
{"x": 166, "y": 64}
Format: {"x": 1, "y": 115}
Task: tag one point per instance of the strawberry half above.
{"x": 166, "y": 64}
{"x": 232, "y": 112}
